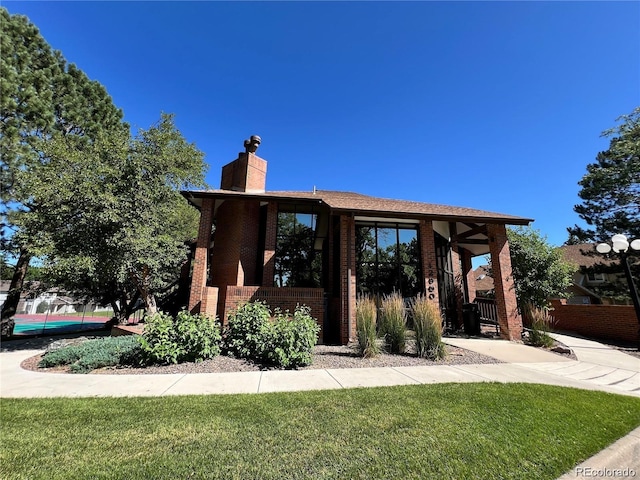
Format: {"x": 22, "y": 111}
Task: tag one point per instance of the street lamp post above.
{"x": 621, "y": 246}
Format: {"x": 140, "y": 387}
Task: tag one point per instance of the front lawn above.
{"x": 446, "y": 431}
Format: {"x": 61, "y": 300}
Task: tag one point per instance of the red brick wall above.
{"x": 282, "y": 298}
{"x": 248, "y": 173}
{"x": 506, "y": 303}
{"x": 269, "y": 261}
{"x": 613, "y": 322}
{"x": 209, "y": 303}
{"x": 236, "y": 247}
{"x": 347, "y": 281}
{"x": 199, "y": 275}
{"x": 429, "y": 268}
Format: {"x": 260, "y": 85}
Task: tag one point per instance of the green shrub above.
{"x": 92, "y": 354}
{"x": 366, "y": 313}
{"x": 248, "y": 330}
{"x": 285, "y": 341}
{"x": 428, "y": 327}
{"x": 292, "y": 339}
{"x": 541, "y": 323}
{"x": 393, "y": 322}
{"x": 187, "y": 338}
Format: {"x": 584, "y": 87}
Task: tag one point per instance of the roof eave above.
{"x": 439, "y": 217}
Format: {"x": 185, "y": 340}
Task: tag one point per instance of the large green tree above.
{"x": 116, "y": 224}
{"x": 610, "y": 190}
{"x": 539, "y": 270}
{"x": 40, "y": 96}
{"x": 610, "y": 194}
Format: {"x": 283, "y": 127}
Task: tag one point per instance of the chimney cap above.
{"x": 252, "y": 144}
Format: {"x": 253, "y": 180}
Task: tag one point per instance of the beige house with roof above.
{"x": 586, "y": 281}
{"x": 322, "y": 248}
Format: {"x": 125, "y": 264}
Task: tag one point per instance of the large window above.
{"x": 387, "y": 259}
{"x": 298, "y": 248}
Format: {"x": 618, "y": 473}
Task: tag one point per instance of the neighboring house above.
{"x": 34, "y": 300}
{"x": 484, "y": 282}
{"x": 585, "y": 283}
{"x": 4, "y": 291}
{"x": 322, "y": 248}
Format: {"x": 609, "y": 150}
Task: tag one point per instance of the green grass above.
{"x": 445, "y": 431}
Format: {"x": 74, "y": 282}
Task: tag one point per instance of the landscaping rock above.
{"x": 561, "y": 349}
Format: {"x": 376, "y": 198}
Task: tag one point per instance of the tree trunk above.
{"x": 142, "y": 287}
{"x": 119, "y": 312}
{"x": 149, "y": 302}
{"x": 10, "y": 305}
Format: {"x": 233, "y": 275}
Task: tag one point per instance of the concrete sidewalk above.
{"x": 597, "y": 367}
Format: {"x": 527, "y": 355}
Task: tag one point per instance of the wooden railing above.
{"x": 488, "y": 310}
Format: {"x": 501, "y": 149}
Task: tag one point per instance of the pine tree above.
{"x": 610, "y": 193}
{"x": 40, "y": 95}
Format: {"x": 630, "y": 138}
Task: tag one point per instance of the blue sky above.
{"x": 491, "y": 105}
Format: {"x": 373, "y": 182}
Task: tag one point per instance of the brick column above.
{"x": 347, "y": 279}
{"x": 268, "y": 268}
{"x": 467, "y": 272}
{"x": 506, "y": 303}
{"x": 458, "y": 282}
{"x": 429, "y": 267}
{"x": 199, "y": 275}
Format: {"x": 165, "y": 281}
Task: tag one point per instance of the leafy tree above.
{"x": 610, "y": 193}
{"x": 539, "y": 270}
{"x": 40, "y": 95}
{"x": 116, "y": 224}
{"x": 6, "y": 270}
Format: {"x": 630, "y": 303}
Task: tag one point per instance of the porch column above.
{"x": 268, "y": 267}
{"x": 199, "y": 275}
{"x": 456, "y": 267}
{"x": 468, "y": 276}
{"x": 508, "y": 317}
{"x": 347, "y": 279}
{"x": 429, "y": 266}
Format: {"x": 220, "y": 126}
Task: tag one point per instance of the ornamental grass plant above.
{"x": 541, "y": 322}
{"x": 428, "y": 327}
{"x": 394, "y": 322}
{"x": 366, "y": 313}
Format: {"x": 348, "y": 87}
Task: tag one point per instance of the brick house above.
{"x": 322, "y": 248}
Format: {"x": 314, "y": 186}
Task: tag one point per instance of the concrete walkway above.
{"x": 598, "y": 367}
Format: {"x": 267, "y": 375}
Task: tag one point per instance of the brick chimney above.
{"x": 247, "y": 173}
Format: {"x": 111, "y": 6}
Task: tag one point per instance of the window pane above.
{"x": 386, "y": 238}
{"x": 305, "y": 219}
{"x": 384, "y": 265}
{"x": 366, "y": 244}
{"x": 286, "y": 224}
{"x": 296, "y": 263}
{"x": 407, "y": 236}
